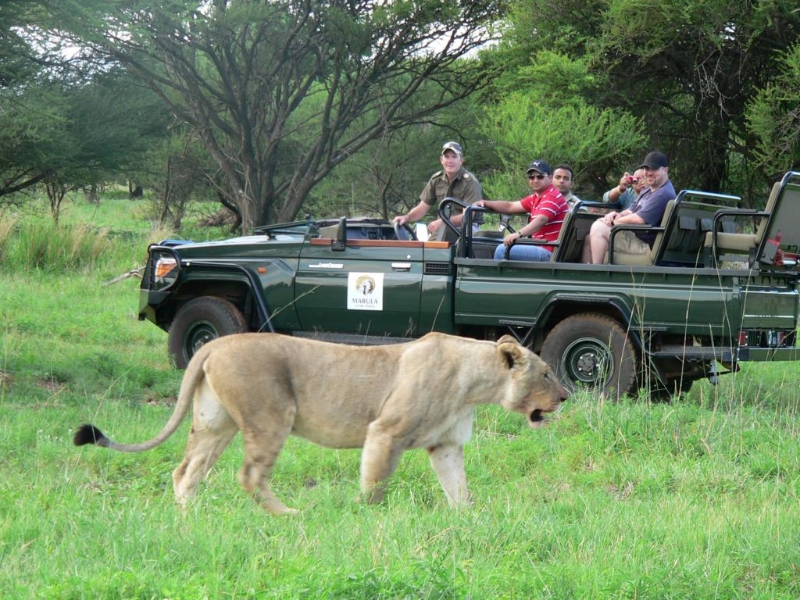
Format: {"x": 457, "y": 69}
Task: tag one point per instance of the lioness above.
{"x": 386, "y": 399}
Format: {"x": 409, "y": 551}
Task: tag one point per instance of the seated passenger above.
{"x": 563, "y": 180}
{"x": 648, "y": 209}
{"x": 629, "y": 188}
{"x": 546, "y": 208}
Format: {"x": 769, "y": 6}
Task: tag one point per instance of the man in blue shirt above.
{"x": 648, "y": 209}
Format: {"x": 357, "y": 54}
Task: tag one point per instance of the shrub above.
{"x": 36, "y": 243}
{"x": 7, "y": 224}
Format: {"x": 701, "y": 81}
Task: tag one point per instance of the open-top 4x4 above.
{"x": 720, "y": 287}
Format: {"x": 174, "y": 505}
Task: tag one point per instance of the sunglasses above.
{"x": 536, "y": 176}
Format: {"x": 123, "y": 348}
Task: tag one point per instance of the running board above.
{"x": 353, "y": 339}
{"x": 694, "y": 352}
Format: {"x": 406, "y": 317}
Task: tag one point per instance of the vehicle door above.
{"x": 367, "y": 287}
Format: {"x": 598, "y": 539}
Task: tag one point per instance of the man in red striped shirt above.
{"x": 547, "y": 209}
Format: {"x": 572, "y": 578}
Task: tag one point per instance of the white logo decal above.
{"x": 365, "y": 291}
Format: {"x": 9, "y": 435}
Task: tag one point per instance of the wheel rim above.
{"x": 197, "y": 336}
{"x": 588, "y": 362}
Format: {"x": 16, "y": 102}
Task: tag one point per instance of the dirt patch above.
{"x": 50, "y": 384}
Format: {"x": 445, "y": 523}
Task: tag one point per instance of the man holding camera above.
{"x": 648, "y": 209}
{"x": 625, "y": 193}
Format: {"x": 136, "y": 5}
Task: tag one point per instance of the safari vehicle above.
{"x": 720, "y": 287}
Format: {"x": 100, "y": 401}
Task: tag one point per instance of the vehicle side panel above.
{"x": 675, "y": 300}
{"x": 369, "y": 289}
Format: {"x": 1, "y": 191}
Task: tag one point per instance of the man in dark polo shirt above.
{"x": 646, "y": 210}
{"x": 452, "y": 181}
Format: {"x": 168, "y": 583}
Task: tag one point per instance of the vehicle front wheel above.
{"x": 592, "y": 352}
{"x": 200, "y": 321}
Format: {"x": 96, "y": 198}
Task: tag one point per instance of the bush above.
{"x": 7, "y": 225}
{"x": 36, "y": 243}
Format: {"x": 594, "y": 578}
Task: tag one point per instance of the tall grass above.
{"x": 44, "y": 244}
{"x": 697, "y": 498}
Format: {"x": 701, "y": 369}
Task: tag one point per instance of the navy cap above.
{"x": 654, "y": 160}
{"x": 541, "y": 166}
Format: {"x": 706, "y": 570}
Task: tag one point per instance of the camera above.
{"x": 631, "y": 179}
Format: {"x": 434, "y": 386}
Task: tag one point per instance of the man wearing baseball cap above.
{"x": 546, "y": 207}
{"x": 647, "y": 209}
{"x": 452, "y": 181}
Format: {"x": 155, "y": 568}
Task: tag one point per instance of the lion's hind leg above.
{"x": 212, "y": 431}
{"x": 379, "y": 458}
{"x": 264, "y": 438}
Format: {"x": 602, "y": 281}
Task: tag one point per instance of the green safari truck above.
{"x": 719, "y": 287}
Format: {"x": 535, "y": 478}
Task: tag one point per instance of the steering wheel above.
{"x": 398, "y": 228}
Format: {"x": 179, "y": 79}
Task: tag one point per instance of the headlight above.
{"x": 165, "y": 270}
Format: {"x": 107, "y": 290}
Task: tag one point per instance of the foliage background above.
{"x": 597, "y": 84}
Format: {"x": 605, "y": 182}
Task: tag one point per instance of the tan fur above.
{"x": 384, "y": 399}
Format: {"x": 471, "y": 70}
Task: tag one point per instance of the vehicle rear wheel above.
{"x": 591, "y": 351}
{"x": 200, "y": 321}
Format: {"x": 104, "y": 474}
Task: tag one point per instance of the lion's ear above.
{"x": 510, "y": 351}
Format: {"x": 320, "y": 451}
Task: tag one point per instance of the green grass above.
{"x": 693, "y": 499}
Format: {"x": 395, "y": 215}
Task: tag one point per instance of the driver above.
{"x": 546, "y": 207}
{"x": 452, "y": 181}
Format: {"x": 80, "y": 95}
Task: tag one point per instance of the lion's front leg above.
{"x": 448, "y": 462}
{"x": 379, "y": 459}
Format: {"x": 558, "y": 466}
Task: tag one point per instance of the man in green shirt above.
{"x": 452, "y": 181}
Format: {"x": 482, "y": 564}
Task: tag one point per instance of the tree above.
{"x": 688, "y": 70}
{"x": 540, "y": 112}
{"x": 387, "y": 176}
{"x": 773, "y": 117}
{"x": 66, "y": 122}
{"x": 21, "y": 97}
{"x": 283, "y": 91}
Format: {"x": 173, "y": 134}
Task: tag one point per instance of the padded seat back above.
{"x": 743, "y": 243}
{"x": 570, "y": 239}
{"x": 622, "y": 258}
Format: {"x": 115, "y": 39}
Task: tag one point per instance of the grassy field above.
{"x": 695, "y": 499}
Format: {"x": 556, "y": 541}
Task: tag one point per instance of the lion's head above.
{"x": 536, "y": 390}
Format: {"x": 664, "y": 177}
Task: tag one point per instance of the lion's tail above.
{"x": 89, "y": 434}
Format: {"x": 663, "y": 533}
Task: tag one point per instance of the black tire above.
{"x": 200, "y": 321}
{"x": 591, "y": 351}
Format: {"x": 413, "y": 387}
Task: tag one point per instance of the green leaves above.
{"x": 586, "y": 137}
{"x": 773, "y": 116}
